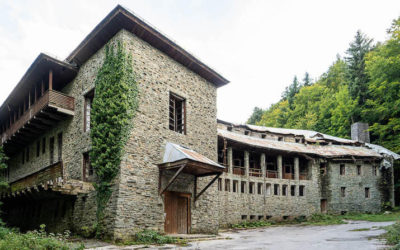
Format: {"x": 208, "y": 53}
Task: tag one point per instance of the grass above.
{"x": 380, "y": 217}
{"x": 252, "y": 224}
{"x": 360, "y": 229}
{"x": 392, "y": 236}
{"x": 36, "y": 240}
{"x": 147, "y": 237}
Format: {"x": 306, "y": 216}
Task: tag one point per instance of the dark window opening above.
{"x": 342, "y": 169}
{"x": 227, "y": 185}
{"x": 219, "y": 184}
{"x": 358, "y": 169}
{"x": 322, "y": 168}
{"x": 276, "y": 189}
{"x": 259, "y": 188}
{"x": 293, "y": 190}
{"x": 252, "y": 217}
{"x": 177, "y": 114}
{"x": 88, "y": 108}
{"x": 87, "y": 167}
{"x": 280, "y": 138}
{"x": 260, "y": 217}
{"x": 301, "y": 191}
{"x": 374, "y": 170}
{"x": 246, "y": 132}
{"x": 263, "y": 136}
{"x": 243, "y": 187}
{"x": 367, "y": 194}
{"x": 284, "y": 190}
{"x": 235, "y": 186}
{"x": 244, "y": 217}
{"x": 251, "y": 188}
{"x": 272, "y": 167}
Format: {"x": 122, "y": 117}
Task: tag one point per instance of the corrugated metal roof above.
{"x": 325, "y": 151}
{"x": 175, "y": 152}
{"x": 382, "y": 150}
{"x": 308, "y": 134}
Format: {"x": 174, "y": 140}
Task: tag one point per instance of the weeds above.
{"x": 392, "y": 236}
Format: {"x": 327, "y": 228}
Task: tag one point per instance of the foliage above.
{"x": 324, "y": 219}
{"x": 307, "y": 80}
{"x": 251, "y": 224}
{"x": 13, "y": 240}
{"x": 256, "y": 116}
{"x": 392, "y": 235}
{"x": 114, "y": 105}
{"x": 153, "y": 237}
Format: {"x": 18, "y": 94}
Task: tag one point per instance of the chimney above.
{"x": 359, "y": 132}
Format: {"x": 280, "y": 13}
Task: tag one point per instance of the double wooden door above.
{"x": 177, "y": 210}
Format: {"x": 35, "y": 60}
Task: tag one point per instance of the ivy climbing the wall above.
{"x": 114, "y": 106}
{"x": 3, "y": 169}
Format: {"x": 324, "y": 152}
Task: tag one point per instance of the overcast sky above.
{"x": 258, "y": 45}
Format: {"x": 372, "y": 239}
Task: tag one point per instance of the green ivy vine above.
{"x": 114, "y": 105}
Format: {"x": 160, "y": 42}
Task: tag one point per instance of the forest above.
{"x": 363, "y": 86}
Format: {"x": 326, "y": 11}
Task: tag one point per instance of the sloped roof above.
{"x": 175, "y": 152}
{"x": 329, "y": 151}
{"x": 382, "y": 150}
{"x": 122, "y": 18}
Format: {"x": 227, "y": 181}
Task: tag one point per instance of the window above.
{"x": 38, "y": 148}
{"x": 301, "y": 191}
{"x": 244, "y": 217}
{"x": 88, "y": 107}
{"x": 322, "y": 168}
{"x": 243, "y": 187}
{"x": 343, "y": 191}
{"x": 284, "y": 190}
{"x": 51, "y": 150}
{"x": 246, "y": 132}
{"x": 268, "y": 189}
{"x": 251, "y": 188}
{"x": 219, "y": 184}
{"x": 252, "y": 217}
{"x": 227, "y": 185}
{"x": 293, "y": 190}
{"x": 235, "y": 186}
{"x": 44, "y": 145}
{"x": 259, "y": 188}
{"x": 60, "y": 143}
{"x": 280, "y": 138}
{"x": 367, "y": 195}
{"x": 276, "y": 189}
{"x": 177, "y": 114}
{"x": 297, "y": 140}
{"x": 374, "y": 170}
{"x": 342, "y": 169}
{"x": 87, "y": 167}
{"x": 263, "y": 136}
{"x": 358, "y": 169}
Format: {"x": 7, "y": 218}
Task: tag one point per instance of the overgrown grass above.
{"x": 152, "y": 237}
{"x": 392, "y": 236}
{"x": 380, "y": 217}
{"x": 251, "y": 224}
{"x": 14, "y": 240}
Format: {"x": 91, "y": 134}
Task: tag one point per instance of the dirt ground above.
{"x": 354, "y": 235}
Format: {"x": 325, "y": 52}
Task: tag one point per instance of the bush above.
{"x": 250, "y": 224}
{"x": 153, "y": 237}
{"x": 392, "y": 235}
{"x": 13, "y": 240}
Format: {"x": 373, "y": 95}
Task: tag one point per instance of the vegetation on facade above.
{"x": 3, "y": 167}
{"x": 114, "y": 106}
{"x": 392, "y": 236}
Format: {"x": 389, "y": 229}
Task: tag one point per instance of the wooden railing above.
{"x": 50, "y": 98}
{"x": 255, "y": 172}
{"x": 51, "y": 173}
{"x": 289, "y": 176}
{"x": 271, "y": 174}
{"x": 303, "y": 176}
{"x": 239, "y": 170}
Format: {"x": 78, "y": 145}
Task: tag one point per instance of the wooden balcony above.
{"x": 257, "y": 172}
{"x": 303, "y": 176}
{"x": 42, "y": 115}
{"x": 289, "y": 176}
{"x": 239, "y": 170}
{"x": 271, "y": 174}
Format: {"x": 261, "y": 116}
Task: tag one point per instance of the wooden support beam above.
{"x": 45, "y": 121}
{"x": 172, "y": 179}
{"x": 52, "y": 116}
{"x": 206, "y": 187}
{"x": 50, "y": 79}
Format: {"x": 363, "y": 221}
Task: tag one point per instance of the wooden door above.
{"x": 324, "y": 204}
{"x": 177, "y": 210}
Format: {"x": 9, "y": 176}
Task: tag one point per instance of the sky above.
{"x": 259, "y": 46}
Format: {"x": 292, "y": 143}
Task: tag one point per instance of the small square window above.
{"x": 358, "y": 169}
{"x": 374, "y": 170}
{"x": 284, "y": 190}
{"x": 301, "y": 191}
{"x": 227, "y": 185}
{"x": 293, "y": 190}
{"x": 219, "y": 184}
{"x": 251, "y": 187}
{"x": 177, "y": 114}
{"x": 280, "y": 138}
{"x": 259, "y": 188}
{"x": 243, "y": 187}
{"x": 343, "y": 191}
{"x": 367, "y": 194}
{"x": 276, "y": 189}
{"x": 235, "y": 186}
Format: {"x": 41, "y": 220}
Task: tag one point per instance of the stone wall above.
{"x": 354, "y": 184}
{"x": 139, "y": 205}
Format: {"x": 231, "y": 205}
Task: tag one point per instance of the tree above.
{"x": 291, "y": 91}
{"x": 358, "y": 79}
{"x": 255, "y": 116}
{"x": 3, "y": 168}
{"x": 307, "y": 80}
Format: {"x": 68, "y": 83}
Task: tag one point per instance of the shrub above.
{"x": 153, "y": 237}
{"x": 392, "y": 235}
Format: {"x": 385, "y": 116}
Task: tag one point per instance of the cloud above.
{"x": 258, "y": 45}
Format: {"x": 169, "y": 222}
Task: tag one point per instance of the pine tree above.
{"x": 307, "y": 80}
{"x": 358, "y": 79}
{"x": 256, "y": 116}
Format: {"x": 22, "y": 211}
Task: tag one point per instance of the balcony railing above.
{"x": 255, "y": 172}
{"x": 271, "y": 174}
{"x": 51, "y": 106}
{"x": 303, "y": 176}
{"x": 289, "y": 176}
{"x": 239, "y": 170}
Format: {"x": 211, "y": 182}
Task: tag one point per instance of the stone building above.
{"x": 275, "y": 173}
{"x": 169, "y": 177}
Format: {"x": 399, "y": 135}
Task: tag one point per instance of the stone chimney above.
{"x": 359, "y": 132}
